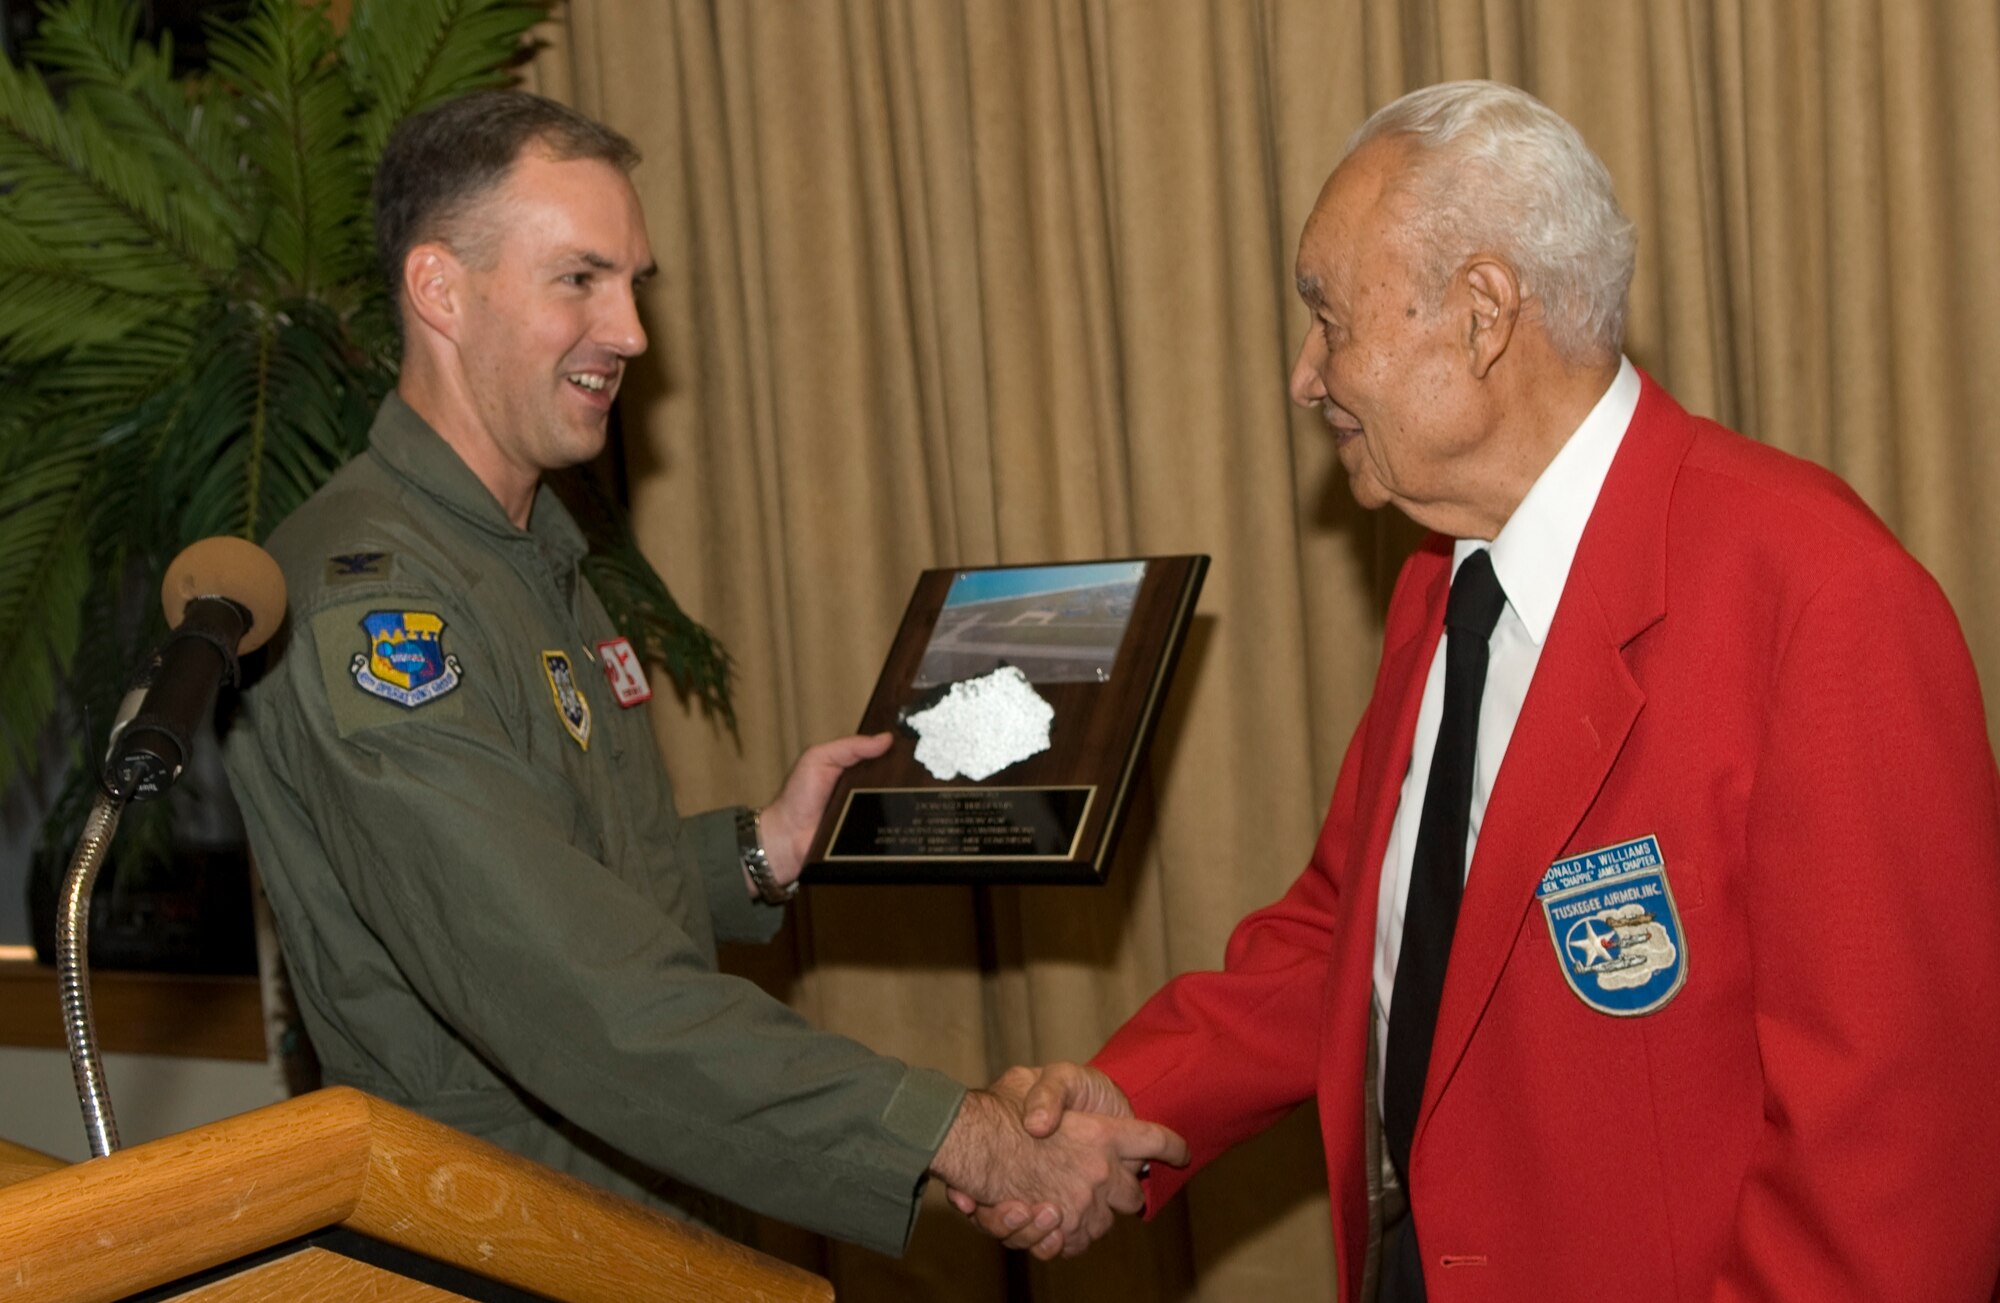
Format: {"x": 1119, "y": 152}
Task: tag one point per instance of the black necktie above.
{"x": 1437, "y": 873}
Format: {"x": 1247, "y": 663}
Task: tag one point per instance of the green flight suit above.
{"x": 492, "y": 913}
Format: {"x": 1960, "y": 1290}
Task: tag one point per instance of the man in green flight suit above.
{"x": 491, "y": 909}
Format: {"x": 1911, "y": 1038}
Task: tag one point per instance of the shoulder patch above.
{"x": 406, "y": 661}
{"x": 359, "y": 565}
{"x": 339, "y": 635}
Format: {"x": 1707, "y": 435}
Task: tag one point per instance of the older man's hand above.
{"x": 1056, "y": 1192}
{"x": 1059, "y": 1105}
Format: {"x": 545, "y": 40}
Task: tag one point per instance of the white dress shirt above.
{"x": 1531, "y": 558}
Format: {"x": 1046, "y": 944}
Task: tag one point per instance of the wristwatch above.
{"x": 750, "y": 850}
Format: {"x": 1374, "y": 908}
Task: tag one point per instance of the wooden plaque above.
{"x": 1097, "y": 641}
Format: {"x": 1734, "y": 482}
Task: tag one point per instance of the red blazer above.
{"x": 1747, "y": 666}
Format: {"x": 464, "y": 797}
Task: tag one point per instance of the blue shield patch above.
{"x": 1616, "y": 929}
{"x": 405, "y": 661}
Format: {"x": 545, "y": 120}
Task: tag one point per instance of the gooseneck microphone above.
{"x": 223, "y": 597}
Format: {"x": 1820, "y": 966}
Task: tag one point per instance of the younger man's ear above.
{"x": 433, "y": 287}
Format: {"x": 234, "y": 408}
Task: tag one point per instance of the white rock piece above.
{"x": 983, "y": 725}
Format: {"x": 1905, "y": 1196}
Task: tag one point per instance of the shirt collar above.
{"x": 408, "y": 445}
{"x": 1534, "y": 550}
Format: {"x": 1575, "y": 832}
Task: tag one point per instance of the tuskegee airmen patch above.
{"x": 405, "y": 662}
{"x": 1616, "y": 930}
{"x": 570, "y": 702}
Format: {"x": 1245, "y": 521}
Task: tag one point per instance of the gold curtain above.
{"x": 958, "y": 282}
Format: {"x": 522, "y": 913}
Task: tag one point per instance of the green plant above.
{"x": 193, "y": 333}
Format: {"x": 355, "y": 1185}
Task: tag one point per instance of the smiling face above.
{"x": 549, "y": 275}
{"x": 1383, "y": 360}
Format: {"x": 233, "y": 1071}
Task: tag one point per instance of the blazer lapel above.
{"x": 1579, "y": 710}
{"x": 1386, "y": 756}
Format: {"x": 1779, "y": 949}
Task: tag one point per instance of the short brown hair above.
{"x": 441, "y": 161}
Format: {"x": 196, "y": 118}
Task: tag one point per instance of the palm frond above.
{"x": 120, "y": 376}
{"x": 93, "y": 395}
{"x": 319, "y": 406}
{"x": 298, "y": 115}
{"x": 317, "y": 410}
{"x": 129, "y": 401}
{"x": 269, "y": 414}
{"x": 45, "y": 571}
{"x": 130, "y": 87}
{"x": 68, "y": 481}
{"x": 23, "y": 387}
{"x": 402, "y": 55}
{"x": 72, "y": 187}
{"x": 51, "y": 302}
{"x": 205, "y": 459}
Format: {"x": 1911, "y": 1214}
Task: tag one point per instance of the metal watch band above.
{"x": 750, "y": 850}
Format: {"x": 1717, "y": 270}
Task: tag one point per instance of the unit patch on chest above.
{"x": 405, "y": 662}
{"x": 624, "y": 671}
{"x": 569, "y": 699}
{"x": 1616, "y": 929}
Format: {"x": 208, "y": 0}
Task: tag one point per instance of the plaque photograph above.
{"x": 1056, "y": 624}
{"x": 1022, "y": 699}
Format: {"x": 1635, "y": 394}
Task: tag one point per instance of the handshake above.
{"x": 1045, "y": 1157}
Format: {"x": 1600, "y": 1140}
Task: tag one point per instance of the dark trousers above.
{"x": 1402, "y": 1264}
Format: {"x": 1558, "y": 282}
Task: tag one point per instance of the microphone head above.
{"x": 229, "y": 567}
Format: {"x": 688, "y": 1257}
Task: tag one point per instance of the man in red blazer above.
{"x": 1721, "y": 1012}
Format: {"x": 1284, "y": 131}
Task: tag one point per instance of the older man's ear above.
{"x": 1494, "y": 291}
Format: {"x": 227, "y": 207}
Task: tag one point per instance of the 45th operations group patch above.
{"x": 405, "y": 662}
{"x": 1616, "y": 929}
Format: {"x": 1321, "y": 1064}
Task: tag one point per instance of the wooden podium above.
{"x": 337, "y": 1195}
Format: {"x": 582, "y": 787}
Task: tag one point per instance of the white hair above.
{"x": 1496, "y": 169}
